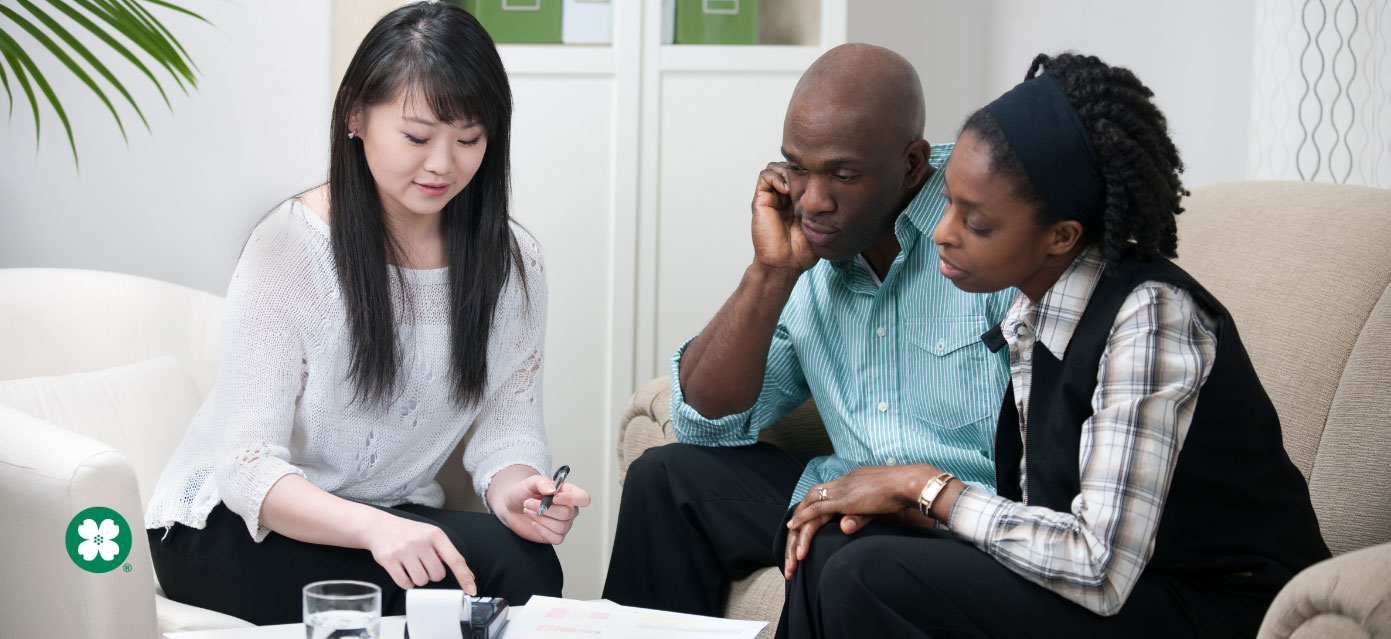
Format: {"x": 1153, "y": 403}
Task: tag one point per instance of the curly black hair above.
{"x": 1139, "y": 162}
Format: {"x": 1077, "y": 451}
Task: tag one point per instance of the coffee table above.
{"x": 392, "y": 628}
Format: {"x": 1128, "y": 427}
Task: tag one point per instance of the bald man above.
{"x": 843, "y": 303}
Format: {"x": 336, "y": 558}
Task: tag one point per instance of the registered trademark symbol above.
{"x": 126, "y": 567}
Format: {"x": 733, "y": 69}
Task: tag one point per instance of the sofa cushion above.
{"x": 1303, "y": 269}
{"x": 140, "y": 409}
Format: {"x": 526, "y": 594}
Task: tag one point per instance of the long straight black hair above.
{"x": 440, "y": 53}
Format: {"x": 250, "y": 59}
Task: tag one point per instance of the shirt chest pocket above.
{"x": 949, "y": 377}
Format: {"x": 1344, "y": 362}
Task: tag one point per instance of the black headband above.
{"x": 1054, "y": 147}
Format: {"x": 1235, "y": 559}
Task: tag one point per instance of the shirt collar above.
{"x": 1053, "y": 319}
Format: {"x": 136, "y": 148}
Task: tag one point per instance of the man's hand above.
{"x": 865, "y": 493}
{"x": 778, "y": 242}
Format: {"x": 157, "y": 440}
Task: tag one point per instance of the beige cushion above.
{"x": 757, "y": 597}
{"x": 1304, "y": 268}
{"x": 140, "y": 409}
{"x": 1347, "y": 596}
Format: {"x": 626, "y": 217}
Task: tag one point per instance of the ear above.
{"x": 355, "y": 122}
{"x": 916, "y": 157}
{"x": 1064, "y": 236}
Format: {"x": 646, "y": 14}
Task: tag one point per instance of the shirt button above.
{"x": 880, "y": 331}
{"x": 941, "y": 345}
{"x": 890, "y": 461}
{"x": 883, "y": 406}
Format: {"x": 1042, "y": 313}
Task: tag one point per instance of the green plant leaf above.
{"x": 67, "y": 61}
{"x": 175, "y": 7}
{"x": 92, "y": 60}
{"x": 134, "y": 30}
{"x": 13, "y": 49}
{"x": 5, "y": 80}
{"x": 101, "y": 33}
{"x": 23, "y": 81}
{"x": 156, "y": 36}
{"x": 151, "y": 20}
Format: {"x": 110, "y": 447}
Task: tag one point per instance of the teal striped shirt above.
{"x": 898, "y": 369}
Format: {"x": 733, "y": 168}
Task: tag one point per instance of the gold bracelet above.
{"x": 931, "y": 490}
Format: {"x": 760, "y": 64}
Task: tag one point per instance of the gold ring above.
{"x": 824, "y": 496}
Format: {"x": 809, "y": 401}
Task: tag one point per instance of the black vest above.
{"x": 1237, "y": 504}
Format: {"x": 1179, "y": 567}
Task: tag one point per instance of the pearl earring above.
{"x": 350, "y": 135}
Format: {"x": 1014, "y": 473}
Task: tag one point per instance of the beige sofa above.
{"x": 99, "y": 376}
{"x": 1304, "y": 268}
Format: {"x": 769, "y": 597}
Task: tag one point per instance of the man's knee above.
{"x": 657, "y": 467}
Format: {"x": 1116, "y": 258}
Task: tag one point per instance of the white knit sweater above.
{"x": 282, "y": 402}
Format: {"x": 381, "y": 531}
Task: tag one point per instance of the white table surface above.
{"x": 392, "y": 628}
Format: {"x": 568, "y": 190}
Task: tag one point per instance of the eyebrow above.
{"x": 463, "y": 125}
{"x": 960, "y": 201}
{"x": 832, "y": 163}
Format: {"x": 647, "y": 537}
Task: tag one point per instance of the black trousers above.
{"x": 694, "y": 518}
{"x": 221, "y": 568}
{"x": 897, "y": 581}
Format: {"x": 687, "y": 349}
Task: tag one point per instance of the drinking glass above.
{"x": 342, "y": 610}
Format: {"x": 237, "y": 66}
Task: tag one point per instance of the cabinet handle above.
{"x": 720, "y": 7}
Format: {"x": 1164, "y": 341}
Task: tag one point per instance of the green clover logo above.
{"x": 98, "y": 539}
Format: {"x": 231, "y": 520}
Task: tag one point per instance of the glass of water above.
{"x": 342, "y": 609}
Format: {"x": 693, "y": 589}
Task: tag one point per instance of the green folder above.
{"x": 716, "y": 22}
{"x": 517, "y": 21}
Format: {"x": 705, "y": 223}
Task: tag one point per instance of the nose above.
{"x": 438, "y": 159}
{"x": 816, "y": 196}
{"x": 947, "y": 232}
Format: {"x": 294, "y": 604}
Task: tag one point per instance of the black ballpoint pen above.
{"x": 559, "y": 478}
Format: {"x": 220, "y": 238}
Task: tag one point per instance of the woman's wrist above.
{"x": 946, "y": 500}
{"x": 362, "y": 522}
{"x": 500, "y": 488}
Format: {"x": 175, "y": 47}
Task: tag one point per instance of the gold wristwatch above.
{"x": 931, "y": 490}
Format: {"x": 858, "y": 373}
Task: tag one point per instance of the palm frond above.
{"x": 13, "y": 50}
{"x": 86, "y": 54}
{"x": 127, "y": 27}
{"x": 67, "y": 61}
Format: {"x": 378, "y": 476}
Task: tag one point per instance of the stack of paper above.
{"x": 548, "y": 617}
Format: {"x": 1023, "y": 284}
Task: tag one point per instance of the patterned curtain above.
{"x": 1321, "y": 110}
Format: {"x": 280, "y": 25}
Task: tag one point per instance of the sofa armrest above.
{"x": 1346, "y": 596}
{"x": 47, "y": 476}
{"x": 646, "y": 422}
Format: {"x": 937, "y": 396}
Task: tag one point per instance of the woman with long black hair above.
{"x": 371, "y": 324}
{"x": 1144, "y": 488}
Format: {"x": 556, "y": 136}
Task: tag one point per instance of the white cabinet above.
{"x": 634, "y": 166}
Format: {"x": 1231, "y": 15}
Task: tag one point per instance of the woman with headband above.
{"x": 1144, "y": 489}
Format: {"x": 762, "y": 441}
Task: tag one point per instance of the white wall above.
{"x": 178, "y": 203}
{"x": 1194, "y": 54}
